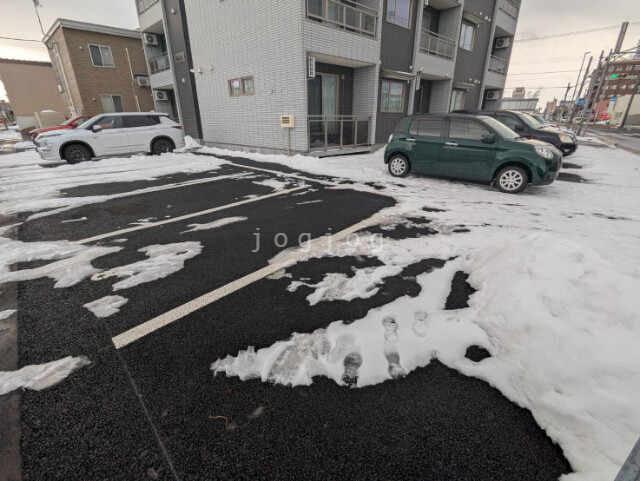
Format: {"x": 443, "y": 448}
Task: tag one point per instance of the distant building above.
{"x": 522, "y": 105}
{"x": 31, "y": 87}
{"x": 550, "y": 109}
{"x": 99, "y": 69}
{"x": 519, "y": 93}
{"x": 626, "y": 73}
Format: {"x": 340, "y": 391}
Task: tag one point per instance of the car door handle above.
{"x": 411, "y": 140}
{"x": 451, "y": 144}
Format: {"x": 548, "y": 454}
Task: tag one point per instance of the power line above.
{"x": 577, "y": 32}
{"x": 538, "y": 73}
{"x": 21, "y": 39}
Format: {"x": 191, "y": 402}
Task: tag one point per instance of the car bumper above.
{"x": 48, "y": 154}
{"x": 568, "y": 149}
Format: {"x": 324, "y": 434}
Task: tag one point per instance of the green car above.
{"x": 470, "y": 147}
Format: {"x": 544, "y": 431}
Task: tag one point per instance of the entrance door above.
{"x": 464, "y": 155}
{"x": 323, "y": 101}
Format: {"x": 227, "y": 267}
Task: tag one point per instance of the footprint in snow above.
{"x": 390, "y": 350}
{"x": 352, "y": 363}
{"x": 343, "y": 345}
{"x": 390, "y": 329}
{"x": 420, "y": 324}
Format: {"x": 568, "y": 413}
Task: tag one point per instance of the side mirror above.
{"x": 74, "y": 124}
{"x": 488, "y": 138}
{"x": 96, "y": 128}
{"x": 519, "y": 128}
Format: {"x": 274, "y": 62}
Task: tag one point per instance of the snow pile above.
{"x": 40, "y": 376}
{"x": 190, "y": 143}
{"x": 10, "y": 134}
{"x": 163, "y": 261}
{"x": 70, "y": 264}
{"x": 214, "y": 224}
{"x": 275, "y": 184}
{"x": 23, "y": 172}
{"x": 7, "y": 313}
{"x": 558, "y": 320}
{"x": 106, "y": 306}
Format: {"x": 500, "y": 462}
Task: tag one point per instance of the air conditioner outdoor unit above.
{"x": 492, "y": 94}
{"x": 160, "y": 95}
{"x": 503, "y": 42}
{"x": 150, "y": 39}
{"x": 143, "y": 81}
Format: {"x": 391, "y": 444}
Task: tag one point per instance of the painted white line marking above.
{"x": 187, "y": 216}
{"x": 284, "y": 174}
{"x": 284, "y": 260}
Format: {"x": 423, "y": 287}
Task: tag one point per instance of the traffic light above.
{"x": 618, "y": 76}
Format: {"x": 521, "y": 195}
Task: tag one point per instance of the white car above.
{"x": 112, "y": 135}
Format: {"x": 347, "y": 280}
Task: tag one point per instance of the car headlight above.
{"x": 390, "y": 139}
{"x": 566, "y": 139}
{"x": 45, "y": 146}
{"x": 544, "y": 152}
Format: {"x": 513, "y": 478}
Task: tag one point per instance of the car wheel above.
{"x": 398, "y": 166}
{"x": 76, "y": 153}
{"x": 512, "y": 180}
{"x": 161, "y": 146}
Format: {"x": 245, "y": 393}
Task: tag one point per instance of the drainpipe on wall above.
{"x": 133, "y": 86}
{"x": 74, "y": 112}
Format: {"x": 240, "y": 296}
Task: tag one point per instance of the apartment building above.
{"x": 325, "y": 77}
{"x": 31, "y": 87}
{"x": 99, "y": 69}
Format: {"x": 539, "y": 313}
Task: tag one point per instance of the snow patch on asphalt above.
{"x": 215, "y": 224}
{"x": 81, "y": 219}
{"x": 70, "y": 264}
{"x": 106, "y": 306}
{"x": 163, "y": 261}
{"x": 275, "y": 184}
{"x": 40, "y": 376}
{"x": 7, "y": 313}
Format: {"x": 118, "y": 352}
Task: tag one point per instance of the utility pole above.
{"x": 633, "y": 96}
{"x": 584, "y": 79}
{"x": 36, "y": 4}
{"x": 605, "y": 71}
{"x": 566, "y": 93}
{"x": 578, "y": 79}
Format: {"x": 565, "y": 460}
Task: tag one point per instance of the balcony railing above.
{"x": 335, "y": 132}
{"x": 346, "y": 16}
{"x": 438, "y": 45}
{"x": 145, "y": 4}
{"x": 159, "y": 64}
{"x": 510, "y": 7}
{"x": 498, "y": 65}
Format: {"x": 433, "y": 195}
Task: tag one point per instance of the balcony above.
{"x": 498, "y": 65}
{"x": 510, "y": 7}
{"x": 347, "y": 16}
{"x": 159, "y": 64}
{"x": 337, "y": 132}
{"x": 144, "y": 5}
{"x": 438, "y": 45}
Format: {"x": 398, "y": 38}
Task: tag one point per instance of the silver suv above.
{"x": 113, "y": 135}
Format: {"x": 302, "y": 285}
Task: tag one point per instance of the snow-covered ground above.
{"x": 556, "y": 269}
{"x": 11, "y": 133}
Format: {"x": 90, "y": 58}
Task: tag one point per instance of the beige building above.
{"x": 100, "y": 69}
{"x": 31, "y": 87}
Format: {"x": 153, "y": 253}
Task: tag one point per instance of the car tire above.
{"x": 76, "y": 153}
{"x": 399, "y": 166}
{"x": 161, "y": 146}
{"x": 512, "y": 180}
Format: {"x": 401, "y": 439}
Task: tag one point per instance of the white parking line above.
{"x": 285, "y": 174}
{"x": 285, "y": 260}
{"x": 187, "y": 216}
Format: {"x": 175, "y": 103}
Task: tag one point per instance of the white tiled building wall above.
{"x": 231, "y": 40}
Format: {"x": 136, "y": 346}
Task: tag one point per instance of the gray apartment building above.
{"x": 322, "y": 77}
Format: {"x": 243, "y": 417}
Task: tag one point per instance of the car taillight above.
{"x": 179, "y": 127}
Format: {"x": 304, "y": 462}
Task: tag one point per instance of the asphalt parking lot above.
{"x": 149, "y": 406}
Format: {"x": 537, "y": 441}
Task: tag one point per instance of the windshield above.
{"x": 530, "y": 121}
{"x": 67, "y": 122}
{"x": 502, "y": 130}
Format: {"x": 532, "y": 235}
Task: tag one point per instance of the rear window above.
{"x": 142, "y": 120}
{"x": 426, "y": 127}
{"x": 401, "y": 125}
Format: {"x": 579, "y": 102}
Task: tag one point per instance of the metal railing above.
{"x": 145, "y": 4}
{"x": 498, "y": 65}
{"x": 438, "y": 45}
{"x": 510, "y": 7}
{"x": 159, "y": 64}
{"x": 335, "y": 132}
{"x": 349, "y": 16}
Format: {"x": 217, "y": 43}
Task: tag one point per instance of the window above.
{"x": 399, "y": 12}
{"x": 457, "y": 99}
{"x": 392, "y": 99}
{"x": 110, "y": 122}
{"x": 241, "y": 86}
{"x": 467, "y": 35}
{"x": 466, "y": 130}
{"x": 629, "y": 68}
{"x": 112, "y": 103}
{"x": 101, "y": 56}
{"x": 508, "y": 121}
{"x": 426, "y": 127}
{"x": 142, "y": 121}
{"x": 401, "y": 126}
{"x": 637, "y": 67}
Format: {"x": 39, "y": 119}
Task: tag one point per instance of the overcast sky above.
{"x": 537, "y": 18}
